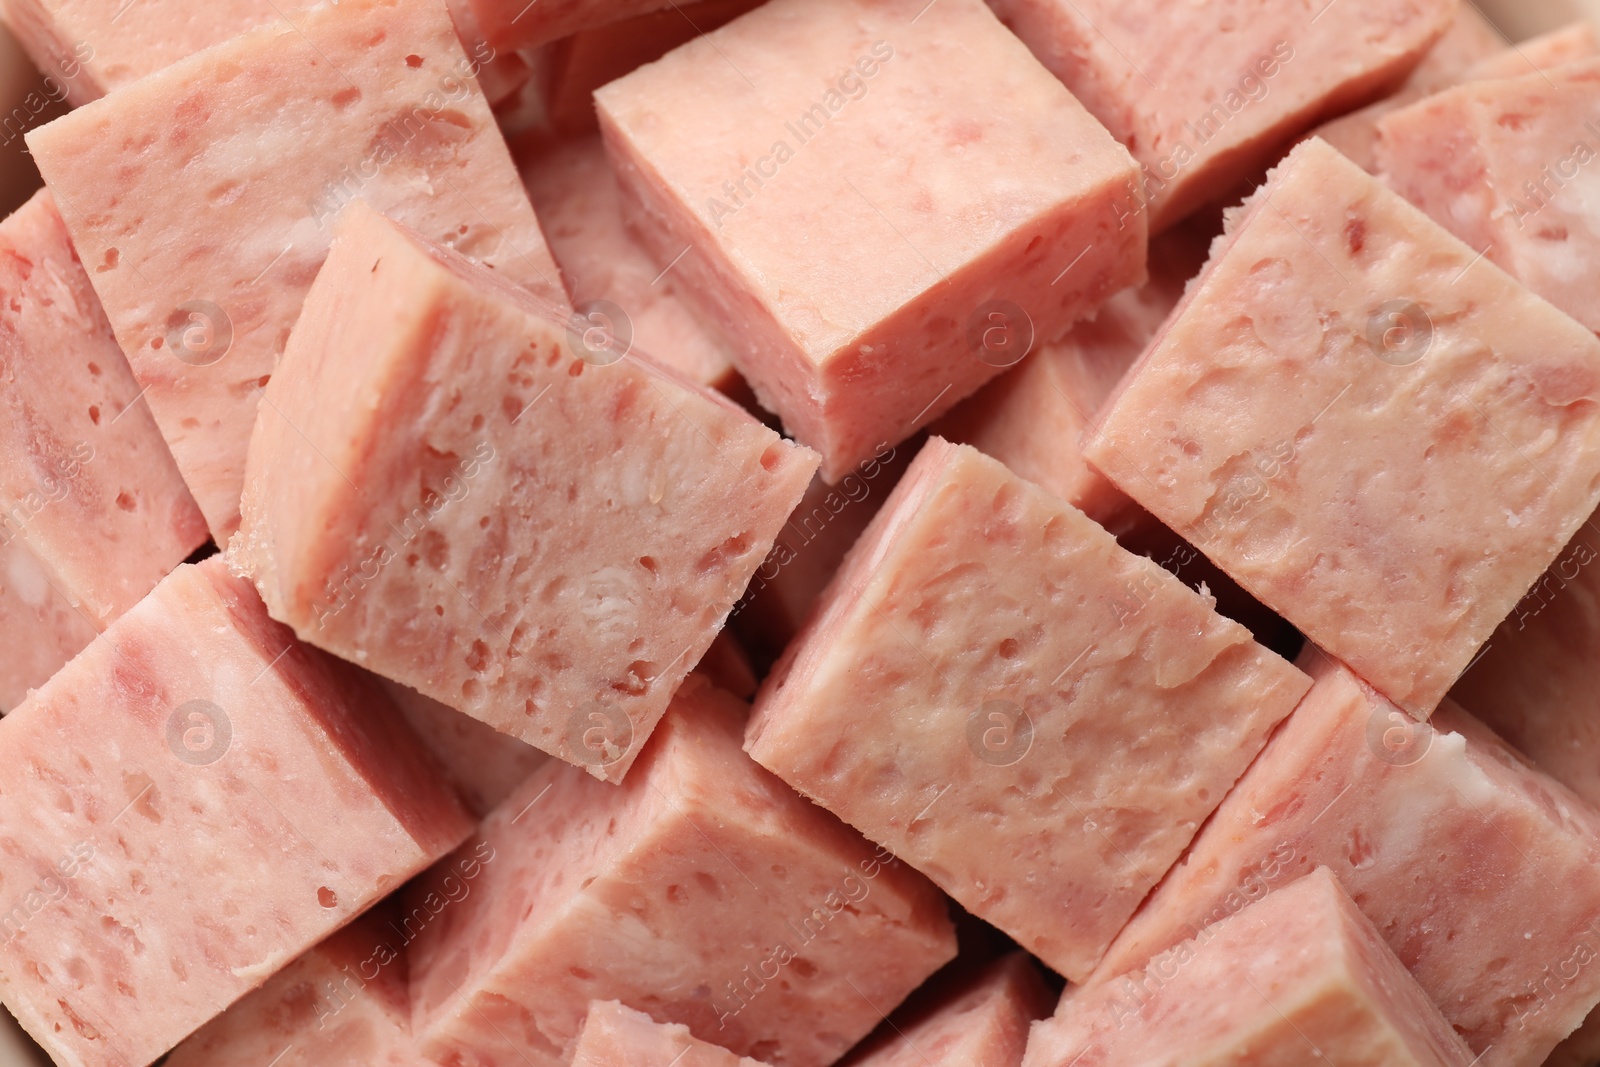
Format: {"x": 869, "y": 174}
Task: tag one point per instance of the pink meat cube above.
{"x": 981, "y": 1022}
{"x": 810, "y": 547}
{"x": 1469, "y": 40}
{"x": 578, "y": 65}
{"x": 701, "y": 891}
{"x": 1534, "y": 682}
{"x": 1083, "y": 709}
{"x": 1300, "y": 976}
{"x": 453, "y": 487}
{"x": 93, "y": 513}
{"x": 483, "y": 764}
{"x": 615, "y": 1036}
{"x": 1031, "y": 418}
{"x": 575, "y": 192}
{"x": 230, "y": 168}
{"x": 96, "y": 49}
{"x": 860, "y": 286}
{"x": 1206, "y": 94}
{"x": 195, "y": 800}
{"x": 1482, "y": 873}
{"x": 344, "y": 1002}
{"x": 1349, "y": 408}
{"x": 1509, "y": 167}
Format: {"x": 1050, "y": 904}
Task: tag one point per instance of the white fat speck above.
{"x": 1512, "y": 520}
{"x": 26, "y": 577}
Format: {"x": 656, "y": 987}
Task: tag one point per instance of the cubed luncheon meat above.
{"x": 1534, "y": 682}
{"x": 92, "y": 47}
{"x": 995, "y": 691}
{"x": 193, "y": 801}
{"x": 1032, "y": 418}
{"x": 1510, "y": 167}
{"x": 452, "y": 486}
{"x": 342, "y": 1003}
{"x": 1470, "y": 39}
{"x": 575, "y": 193}
{"x": 851, "y": 190}
{"x": 1351, "y": 408}
{"x": 615, "y": 1036}
{"x": 93, "y": 513}
{"x": 1206, "y": 94}
{"x": 1482, "y": 874}
{"x": 231, "y": 167}
{"x": 1300, "y": 976}
{"x": 1572, "y": 43}
{"x": 979, "y": 1022}
{"x": 701, "y": 891}
{"x": 574, "y": 67}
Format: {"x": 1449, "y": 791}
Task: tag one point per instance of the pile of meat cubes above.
{"x": 905, "y": 533}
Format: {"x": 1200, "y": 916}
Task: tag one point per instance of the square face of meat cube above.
{"x": 1300, "y": 976}
{"x": 1377, "y": 433}
{"x": 1482, "y": 873}
{"x": 197, "y": 799}
{"x": 881, "y": 202}
{"x": 93, "y": 512}
{"x": 1510, "y": 167}
{"x": 450, "y": 485}
{"x": 998, "y": 693}
{"x": 701, "y": 891}
{"x": 1205, "y": 94}
{"x": 230, "y": 168}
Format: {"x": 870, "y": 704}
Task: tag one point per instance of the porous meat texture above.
{"x": 1479, "y": 871}
{"x": 93, "y": 513}
{"x": 230, "y": 168}
{"x": 981, "y": 1022}
{"x": 343, "y": 1002}
{"x": 700, "y": 891}
{"x": 194, "y": 801}
{"x": 452, "y": 487}
{"x": 849, "y": 188}
{"x": 575, "y": 193}
{"x": 1032, "y": 418}
{"x": 1206, "y": 95}
{"x": 615, "y": 1036}
{"x": 995, "y": 691}
{"x": 1512, "y": 167}
{"x": 1351, "y": 407}
{"x": 1300, "y": 976}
